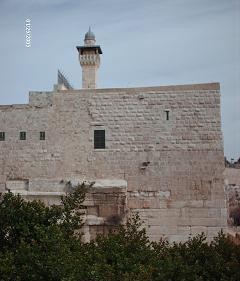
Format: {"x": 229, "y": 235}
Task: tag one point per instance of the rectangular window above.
{"x": 2, "y": 136}
{"x": 42, "y": 135}
{"x": 99, "y": 139}
{"x": 22, "y": 136}
{"x": 167, "y": 114}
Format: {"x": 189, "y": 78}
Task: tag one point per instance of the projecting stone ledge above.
{"x": 110, "y": 183}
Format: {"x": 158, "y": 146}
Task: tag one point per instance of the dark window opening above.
{"x": 99, "y": 139}
{"x": 2, "y": 136}
{"x": 42, "y": 135}
{"x": 22, "y": 136}
{"x": 167, "y": 115}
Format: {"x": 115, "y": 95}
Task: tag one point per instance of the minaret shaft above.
{"x": 89, "y": 58}
{"x": 89, "y": 77}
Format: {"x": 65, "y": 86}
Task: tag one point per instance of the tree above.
{"x": 37, "y": 241}
{"x": 123, "y": 255}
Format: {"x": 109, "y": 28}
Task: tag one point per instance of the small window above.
{"x": 99, "y": 139}
{"x": 167, "y": 114}
{"x": 22, "y": 136}
{"x": 42, "y": 135}
{"x": 2, "y": 136}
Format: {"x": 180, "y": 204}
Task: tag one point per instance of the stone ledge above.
{"x": 110, "y": 183}
{"x": 37, "y": 193}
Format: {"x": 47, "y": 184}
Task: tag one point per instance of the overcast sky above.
{"x": 144, "y": 43}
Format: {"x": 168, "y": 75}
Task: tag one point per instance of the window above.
{"x": 22, "y": 136}
{"x": 2, "y": 136}
{"x": 42, "y": 135}
{"x": 167, "y": 114}
{"x": 99, "y": 139}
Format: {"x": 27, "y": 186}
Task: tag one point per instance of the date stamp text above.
{"x": 28, "y": 32}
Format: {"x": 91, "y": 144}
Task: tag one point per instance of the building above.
{"x": 153, "y": 150}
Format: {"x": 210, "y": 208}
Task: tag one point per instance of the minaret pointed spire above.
{"x": 89, "y": 39}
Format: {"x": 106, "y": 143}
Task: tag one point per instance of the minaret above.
{"x": 89, "y": 57}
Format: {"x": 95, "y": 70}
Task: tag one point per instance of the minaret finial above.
{"x": 89, "y": 38}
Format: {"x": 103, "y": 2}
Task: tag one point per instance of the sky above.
{"x": 144, "y": 43}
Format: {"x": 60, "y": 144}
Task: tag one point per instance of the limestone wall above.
{"x": 173, "y": 168}
{"x": 232, "y": 190}
{"x": 105, "y": 203}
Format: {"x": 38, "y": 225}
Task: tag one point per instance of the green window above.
{"x": 22, "y": 136}
{"x": 42, "y": 135}
{"x": 99, "y": 139}
{"x": 2, "y": 136}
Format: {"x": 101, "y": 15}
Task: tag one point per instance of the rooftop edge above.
{"x": 214, "y": 86}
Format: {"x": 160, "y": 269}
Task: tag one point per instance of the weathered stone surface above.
{"x": 232, "y": 190}
{"x": 17, "y": 185}
{"x": 170, "y": 171}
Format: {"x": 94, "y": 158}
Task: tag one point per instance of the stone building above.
{"x": 153, "y": 150}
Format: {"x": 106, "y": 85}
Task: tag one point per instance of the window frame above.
{"x": 99, "y": 139}
{"x": 2, "y": 136}
{"x": 42, "y": 135}
{"x": 22, "y": 135}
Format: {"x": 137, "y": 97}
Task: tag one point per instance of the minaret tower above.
{"x": 89, "y": 58}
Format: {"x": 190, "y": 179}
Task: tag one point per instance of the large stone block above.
{"x": 14, "y": 185}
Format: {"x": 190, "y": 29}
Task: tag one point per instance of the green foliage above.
{"x": 22, "y": 221}
{"x": 41, "y": 243}
{"x": 119, "y": 256}
{"x": 37, "y": 242}
{"x": 71, "y": 220}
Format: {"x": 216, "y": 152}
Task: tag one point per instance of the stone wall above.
{"x": 232, "y": 190}
{"x": 173, "y": 168}
{"x": 105, "y": 202}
